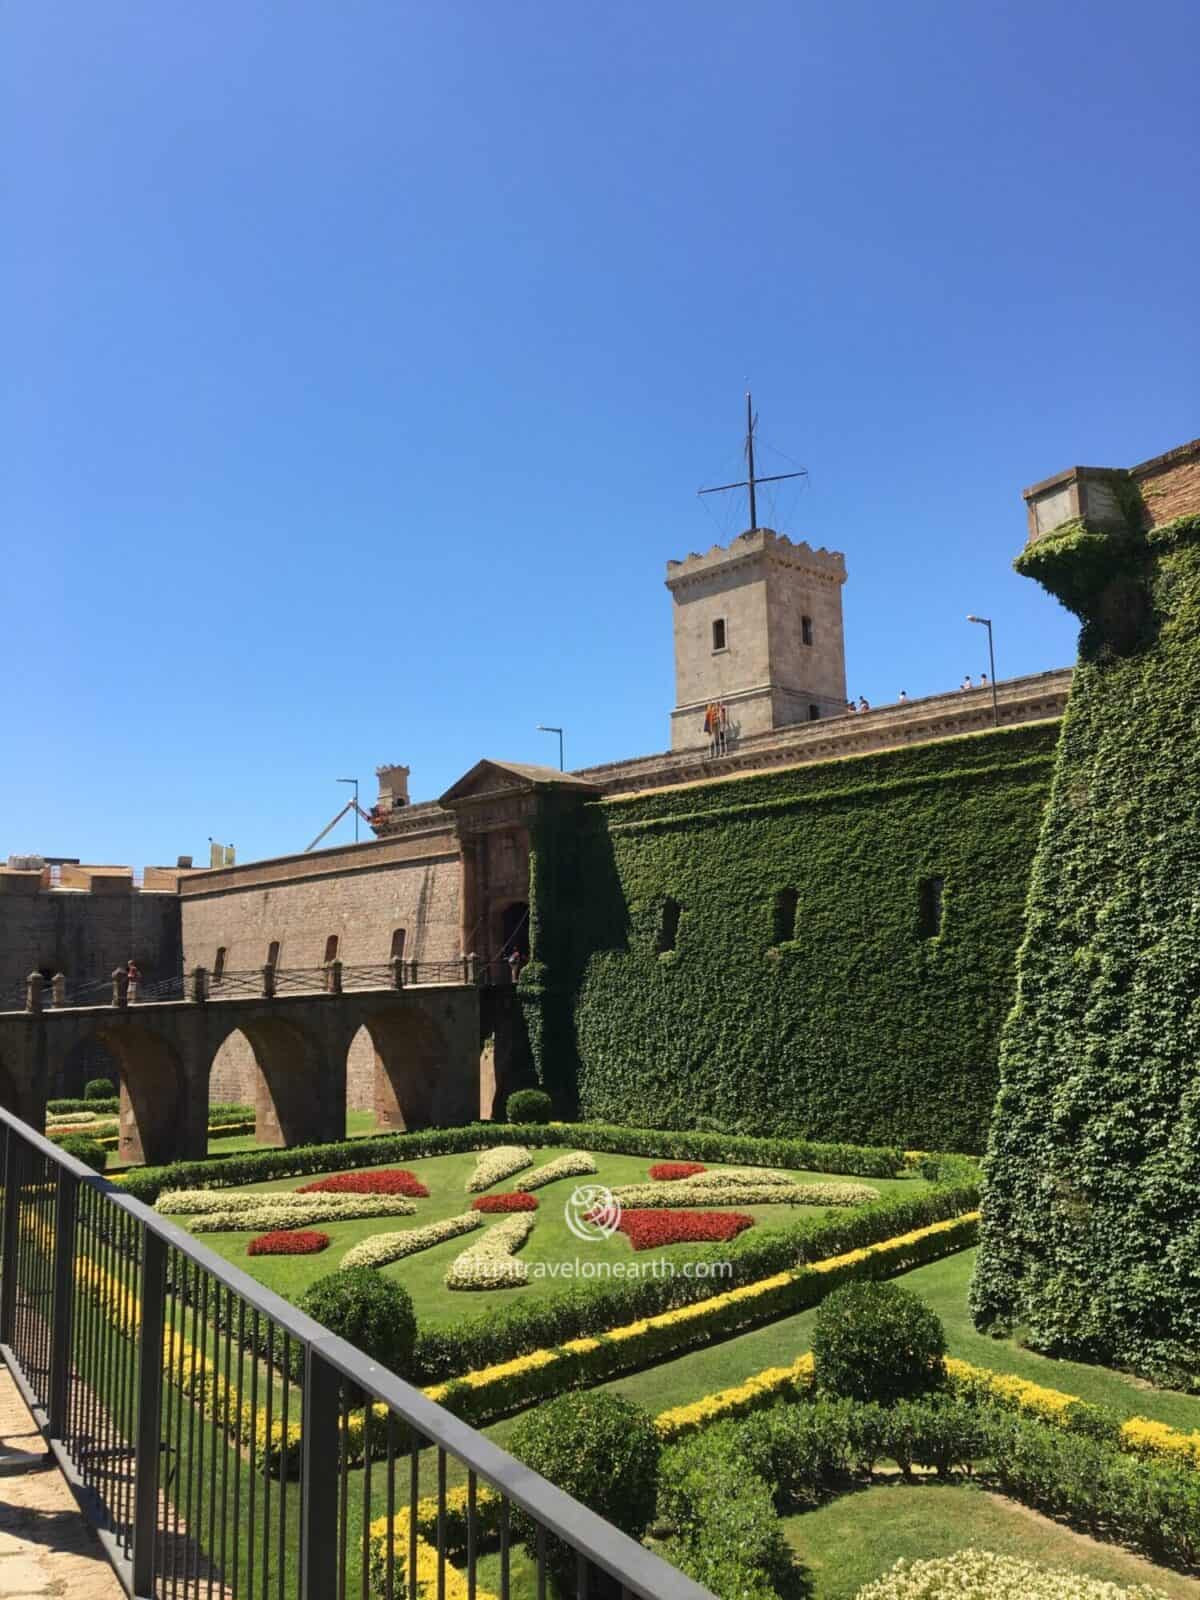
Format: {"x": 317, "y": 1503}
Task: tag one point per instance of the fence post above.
{"x": 412, "y": 970}
{"x": 335, "y": 976}
{"x": 149, "y": 1410}
{"x": 466, "y": 969}
{"x": 58, "y": 989}
{"x": 120, "y": 983}
{"x": 63, "y": 1302}
{"x": 268, "y": 977}
{"x": 319, "y": 1456}
{"x": 397, "y": 966}
{"x": 8, "y": 1266}
{"x": 199, "y": 985}
{"x": 33, "y": 992}
{"x": 473, "y": 969}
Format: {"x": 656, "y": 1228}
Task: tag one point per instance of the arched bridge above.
{"x": 425, "y": 1038}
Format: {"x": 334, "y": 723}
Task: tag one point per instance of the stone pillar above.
{"x": 199, "y": 985}
{"x": 120, "y": 990}
{"x": 333, "y": 976}
{"x": 268, "y": 980}
{"x": 412, "y": 970}
{"x": 397, "y": 966}
{"x": 472, "y": 962}
{"x": 33, "y": 991}
{"x": 58, "y": 985}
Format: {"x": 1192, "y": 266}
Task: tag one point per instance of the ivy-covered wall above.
{"x": 1091, "y": 1237}
{"x": 862, "y": 1021}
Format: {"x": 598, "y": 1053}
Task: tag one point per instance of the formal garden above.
{"x": 754, "y": 1354}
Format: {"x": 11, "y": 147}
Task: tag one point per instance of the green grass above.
{"x": 551, "y": 1240}
{"x": 859, "y": 1536}
{"x": 359, "y": 1124}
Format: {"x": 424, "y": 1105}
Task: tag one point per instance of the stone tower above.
{"x": 758, "y": 628}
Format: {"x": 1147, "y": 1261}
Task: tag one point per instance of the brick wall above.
{"x": 1170, "y": 484}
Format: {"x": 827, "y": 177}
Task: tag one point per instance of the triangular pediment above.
{"x": 487, "y": 778}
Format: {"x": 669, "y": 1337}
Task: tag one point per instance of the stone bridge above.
{"x": 426, "y": 1043}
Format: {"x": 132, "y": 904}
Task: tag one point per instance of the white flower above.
{"x": 492, "y": 1165}
{"x": 490, "y": 1264}
{"x": 381, "y": 1248}
{"x": 573, "y": 1165}
{"x": 689, "y": 1192}
{"x": 271, "y": 1211}
{"x": 980, "y": 1575}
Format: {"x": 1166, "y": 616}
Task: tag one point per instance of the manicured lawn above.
{"x": 551, "y": 1242}
{"x": 859, "y": 1536}
{"x": 359, "y": 1124}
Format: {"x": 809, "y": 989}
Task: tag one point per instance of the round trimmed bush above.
{"x": 599, "y": 1448}
{"x": 368, "y": 1310}
{"x": 877, "y": 1341}
{"x": 530, "y": 1105}
{"x": 90, "y": 1151}
{"x": 98, "y": 1089}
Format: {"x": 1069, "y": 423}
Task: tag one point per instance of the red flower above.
{"x": 394, "y": 1181}
{"x": 514, "y": 1201}
{"x": 670, "y": 1171}
{"x": 288, "y": 1242}
{"x": 648, "y": 1230}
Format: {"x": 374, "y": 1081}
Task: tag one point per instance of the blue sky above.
{"x": 362, "y": 361}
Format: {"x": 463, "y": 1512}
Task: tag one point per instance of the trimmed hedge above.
{"x": 529, "y": 1105}
{"x": 1092, "y": 1208}
{"x": 877, "y": 1341}
{"x": 257, "y": 1166}
{"x": 84, "y": 1148}
{"x": 110, "y": 1104}
{"x": 98, "y": 1089}
{"x": 847, "y": 1020}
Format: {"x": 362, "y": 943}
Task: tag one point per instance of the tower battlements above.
{"x": 757, "y": 542}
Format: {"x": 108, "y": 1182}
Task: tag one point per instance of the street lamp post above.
{"x": 354, "y": 781}
{"x": 985, "y": 622}
{"x": 542, "y": 728}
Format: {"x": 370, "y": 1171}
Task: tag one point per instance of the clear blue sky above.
{"x": 362, "y": 360}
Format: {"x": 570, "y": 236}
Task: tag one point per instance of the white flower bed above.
{"x": 573, "y": 1165}
{"x": 686, "y": 1192}
{"x": 761, "y": 1177}
{"x": 68, "y": 1119}
{"x": 381, "y": 1248}
{"x": 502, "y": 1162}
{"x": 490, "y": 1264}
{"x": 266, "y": 1212}
{"x": 979, "y": 1575}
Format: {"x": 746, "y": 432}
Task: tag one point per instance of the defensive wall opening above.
{"x": 150, "y": 1078}
{"x": 298, "y": 1086}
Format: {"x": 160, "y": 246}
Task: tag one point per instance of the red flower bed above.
{"x": 670, "y": 1171}
{"x": 394, "y": 1181}
{"x": 515, "y": 1201}
{"x": 648, "y": 1230}
{"x": 288, "y": 1242}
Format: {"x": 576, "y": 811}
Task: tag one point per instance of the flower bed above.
{"x": 514, "y": 1201}
{"x": 396, "y": 1180}
{"x": 493, "y": 1165}
{"x": 696, "y": 1192}
{"x": 672, "y": 1171}
{"x": 270, "y": 1211}
{"x": 288, "y": 1242}
{"x": 381, "y": 1248}
{"x": 980, "y": 1573}
{"x": 649, "y": 1230}
{"x": 491, "y": 1264}
{"x": 574, "y": 1165}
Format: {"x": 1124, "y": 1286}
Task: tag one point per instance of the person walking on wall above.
{"x": 514, "y": 964}
{"x": 903, "y": 697}
{"x": 966, "y": 683}
{"x": 863, "y": 703}
{"x": 133, "y": 977}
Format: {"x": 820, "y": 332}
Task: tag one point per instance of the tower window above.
{"x": 331, "y": 947}
{"x": 668, "y": 926}
{"x": 719, "y": 633}
{"x": 929, "y": 907}
{"x": 273, "y": 953}
{"x": 786, "y": 902}
{"x": 219, "y": 964}
{"x": 398, "y": 943}
{"x": 814, "y": 713}
{"x": 806, "y": 630}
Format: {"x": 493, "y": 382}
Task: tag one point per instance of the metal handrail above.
{"x": 56, "y": 1344}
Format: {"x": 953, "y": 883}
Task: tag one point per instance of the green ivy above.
{"x": 858, "y": 1027}
{"x": 1092, "y": 1206}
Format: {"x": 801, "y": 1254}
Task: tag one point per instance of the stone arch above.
{"x": 153, "y": 1114}
{"x": 360, "y": 1072}
{"x": 299, "y": 1092}
{"x": 410, "y": 1060}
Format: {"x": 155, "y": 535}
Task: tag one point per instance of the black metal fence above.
{"x": 224, "y": 1444}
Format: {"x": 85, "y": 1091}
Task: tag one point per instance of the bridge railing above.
{"x": 224, "y": 1443}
